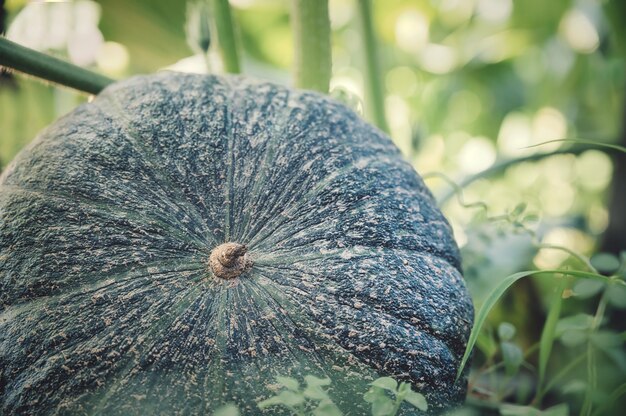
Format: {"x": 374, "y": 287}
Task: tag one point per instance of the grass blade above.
{"x": 547, "y": 337}
{"x": 498, "y": 291}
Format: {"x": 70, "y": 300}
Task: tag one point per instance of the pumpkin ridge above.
{"x": 87, "y": 374}
{"x": 101, "y": 207}
{"x": 365, "y": 301}
{"x": 143, "y": 350}
{"x": 148, "y": 155}
{"x": 301, "y": 202}
{"x": 229, "y": 198}
{"x": 264, "y": 168}
{"x": 286, "y": 317}
{"x": 264, "y": 172}
{"x": 104, "y": 283}
{"x": 366, "y": 358}
{"x": 423, "y": 316}
{"x": 292, "y": 211}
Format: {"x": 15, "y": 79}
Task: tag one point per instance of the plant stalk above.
{"x": 312, "y": 51}
{"x": 225, "y": 35}
{"x": 40, "y": 65}
{"x": 505, "y": 164}
{"x": 375, "y": 96}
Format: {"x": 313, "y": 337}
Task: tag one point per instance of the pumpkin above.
{"x": 181, "y": 240}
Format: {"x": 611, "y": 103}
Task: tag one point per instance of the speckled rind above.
{"x": 107, "y": 221}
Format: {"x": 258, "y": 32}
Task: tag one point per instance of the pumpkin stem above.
{"x": 229, "y": 260}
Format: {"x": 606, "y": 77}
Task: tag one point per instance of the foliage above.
{"x": 312, "y": 399}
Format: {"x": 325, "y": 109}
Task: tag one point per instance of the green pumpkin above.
{"x": 180, "y": 241}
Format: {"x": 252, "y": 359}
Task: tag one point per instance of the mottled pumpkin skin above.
{"x": 107, "y": 221}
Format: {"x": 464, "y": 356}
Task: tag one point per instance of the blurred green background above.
{"x": 468, "y": 84}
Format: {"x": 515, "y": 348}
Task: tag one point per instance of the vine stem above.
{"x": 312, "y": 52}
{"x": 375, "y": 96}
{"x": 592, "y": 374}
{"x": 505, "y": 164}
{"x": 225, "y": 35}
{"x": 37, "y": 64}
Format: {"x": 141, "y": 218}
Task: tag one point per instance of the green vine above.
{"x": 37, "y": 64}
{"x": 375, "y": 96}
{"x": 312, "y": 52}
{"x": 224, "y": 33}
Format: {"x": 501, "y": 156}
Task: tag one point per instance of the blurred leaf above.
{"x": 574, "y": 338}
{"x": 558, "y": 410}
{"x": 606, "y": 339}
{"x": 285, "y": 397}
{"x": 574, "y": 387}
{"x": 153, "y": 31}
{"x": 372, "y": 394}
{"x": 227, "y": 410}
{"x": 316, "y": 381}
{"x": 578, "y": 322}
{"x": 519, "y": 209}
{"x": 327, "y": 408}
{"x": 487, "y": 344}
{"x": 617, "y": 296}
{"x": 417, "y": 400}
{"x": 512, "y": 356}
{"x": 315, "y": 393}
{"x": 386, "y": 383}
{"x": 516, "y": 410}
{"x": 605, "y": 262}
{"x": 382, "y": 406}
{"x": 506, "y": 331}
{"x": 288, "y": 382}
{"x": 586, "y": 288}
{"x": 548, "y": 334}
{"x": 610, "y": 401}
{"x": 197, "y": 27}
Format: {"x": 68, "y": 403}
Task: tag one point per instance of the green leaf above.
{"x": 606, "y": 339}
{"x": 315, "y": 393}
{"x": 586, "y": 288}
{"x": 512, "y": 356}
{"x": 383, "y": 406}
{"x": 272, "y": 401}
{"x": 617, "y": 297}
{"x": 605, "y": 262}
{"x": 227, "y": 410}
{"x": 548, "y": 334}
{"x": 288, "y": 382}
{"x": 516, "y": 410}
{"x": 487, "y": 344}
{"x": 403, "y": 388}
{"x": 578, "y": 322}
{"x": 575, "y": 387}
{"x": 285, "y": 397}
{"x": 386, "y": 383}
{"x": 619, "y": 392}
{"x": 574, "y": 338}
{"x": 417, "y": 400}
{"x": 373, "y": 394}
{"x": 519, "y": 209}
{"x": 316, "y": 381}
{"x": 573, "y": 330}
{"x": 506, "y": 331}
{"x": 327, "y": 408}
